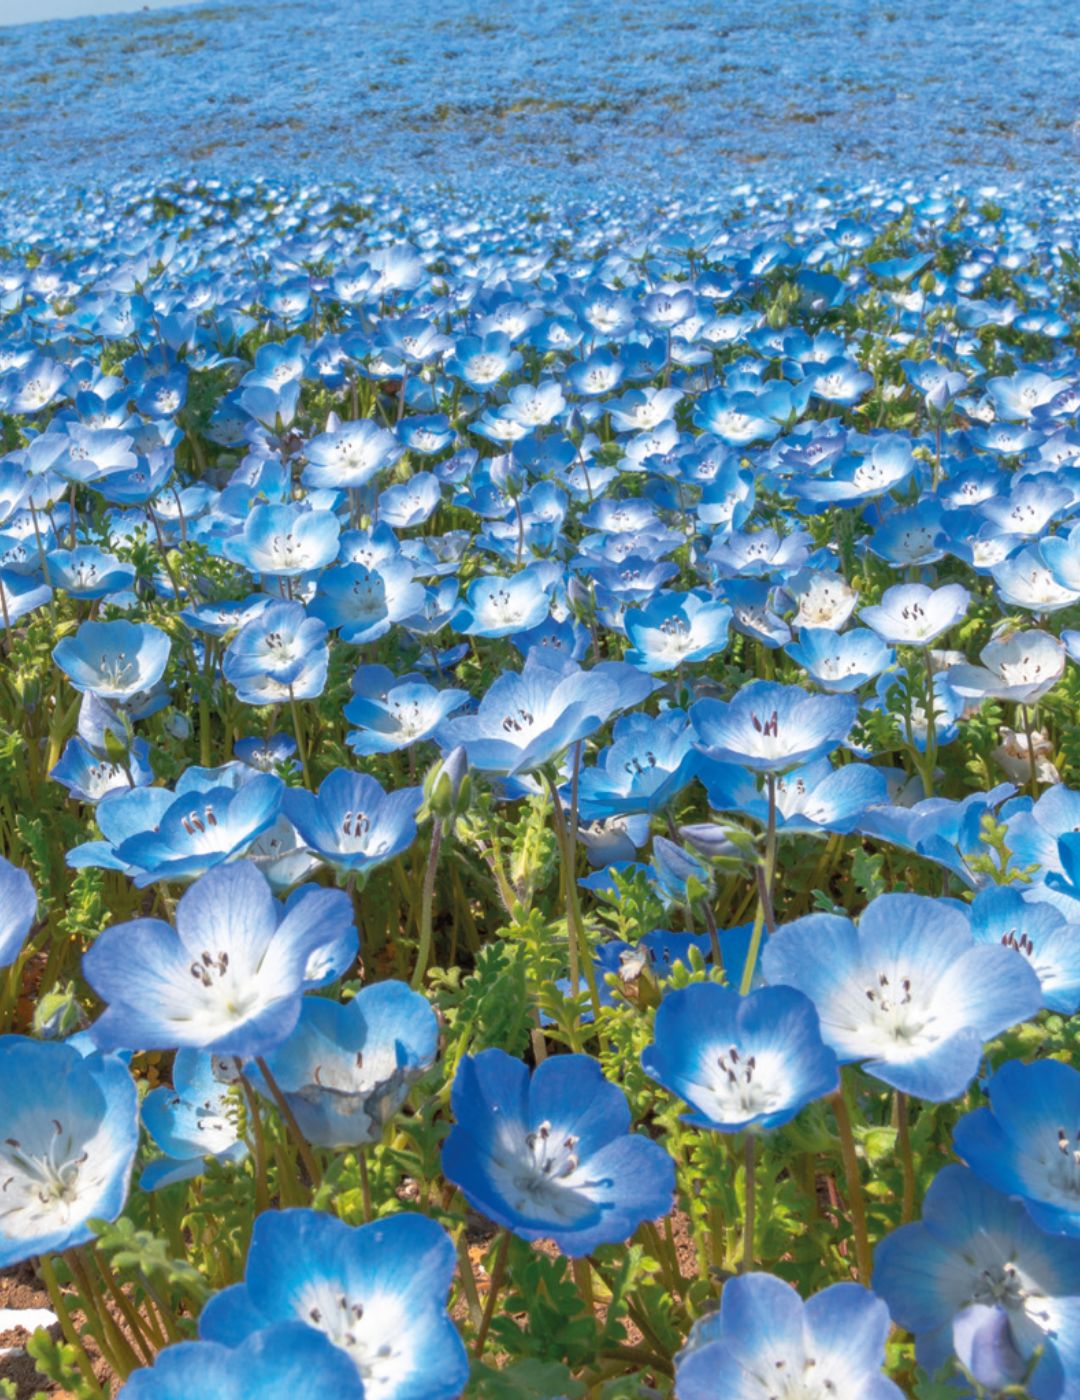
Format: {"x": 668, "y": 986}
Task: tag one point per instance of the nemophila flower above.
{"x": 1040, "y": 932}
{"x": 193, "y": 1120}
{"x": 88, "y": 572}
{"x": 770, "y": 727}
{"x": 751, "y": 603}
{"x": 404, "y": 715}
{"x": 841, "y": 661}
{"x": 766, "y": 1343}
{"x": 481, "y": 361}
{"x": 758, "y": 553}
{"x": 377, "y": 1292}
{"x": 89, "y": 777}
{"x": 114, "y": 660}
{"x": 1021, "y": 1146}
{"x": 349, "y": 455}
{"x": 266, "y": 754}
{"x": 276, "y": 1363}
{"x": 228, "y": 979}
{"x": 675, "y": 629}
{"x": 551, "y": 1156}
{"x": 347, "y": 1069}
{"x": 18, "y": 910}
{"x": 529, "y": 718}
{"x": 911, "y": 614}
{"x": 1034, "y": 833}
{"x": 649, "y": 762}
{"x": 822, "y": 599}
{"x": 69, "y": 1128}
{"x": 426, "y": 435}
{"x": 741, "y": 1063}
{"x": 362, "y": 603}
{"x": 1023, "y": 580}
{"x": 285, "y": 541}
{"x": 977, "y": 1263}
{"x": 203, "y": 826}
{"x": 353, "y": 824}
{"x": 500, "y": 607}
{"x": 1022, "y": 667}
{"x": 814, "y": 797}
{"x": 281, "y": 654}
{"x": 20, "y": 594}
{"x": 909, "y": 992}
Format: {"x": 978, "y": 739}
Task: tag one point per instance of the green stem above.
{"x": 308, "y": 1158}
{"x": 764, "y": 914}
{"x": 495, "y": 1282}
{"x": 262, "y": 1189}
{"x": 907, "y": 1161}
{"x": 468, "y": 1282}
{"x": 856, "y": 1202}
{"x": 301, "y": 743}
{"x": 71, "y": 1336}
{"x": 750, "y": 1198}
{"x": 423, "y": 953}
{"x": 365, "y": 1186}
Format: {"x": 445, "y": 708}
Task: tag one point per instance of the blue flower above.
{"x": 676, "y": 628}
{"x": 350, "y": 455}
{"x": 770, "y": 727}
{"x": 1020, "y": 1146}
{"x": 69, "y": 1127}
{"x": 113, "y": 660}
{"x": 528, "y": 719}
{"x": 285, "y": 541}
{"x": 909, "y": 992}
{"x": 976, "y": 1248}
{"x": 18, "y": 910}
{"x": 353, "y": 824}
{"x": 648, "y": 764}
{"x": 277, "y": 1363}
{"x": 202, "y": 826}
{"x": 766, "y": 1342}
{"x": 840, "y": 661}
{"x": 377, "y": 1291}
{"x": 193, "y": 1120}
{"x": 279, "y": 654}
{"x": 501, "y": 607}
{"x": 552, "y": 1157}
{"x": 910, "y": 614}
{"x": 403, "y": 714}
{"x": 229, "y": 978}
{"x": 347, "y": 1069}
{"x": 1001, "y": 914}
{"x": 741, "y": 1063}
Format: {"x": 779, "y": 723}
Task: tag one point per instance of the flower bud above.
{"x": 448, "y": 787}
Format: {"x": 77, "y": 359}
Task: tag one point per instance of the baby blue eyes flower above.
{"x": 18, "y": 910}
{"x": 766, "y": 1343}
{"x": 840, "y": 661}
{"x": 977, "y": 1249}
{"x": 377, "y": 1292}
{"x": 1021, "y": 1145}
{"x": 285, "y": 541}
{"x": 113, "y": 660}
{"x": 770, "y": 727}
{"x": 910, "y": 614}
{"x": 69, "y": 1127}
{"x": 406, "y": 714}
{"x": 676, "y": 628}
{"x": 1040, "y": 932}
{"x": 277, "y": 1363}
{"x": 346, "y": 1070}
{"x": 349, "y": 456}
{"x": 551, "y": 1157}
{"x": 353, "y": 824}
{"x": 1022, "y": 668}
{"x": 193, "y": 1120}
{"x": 228, "y": 979}
{"x": 527, "y": 720}
{"x": 740, "y": 1062}
{"x": 909, "y": 992}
